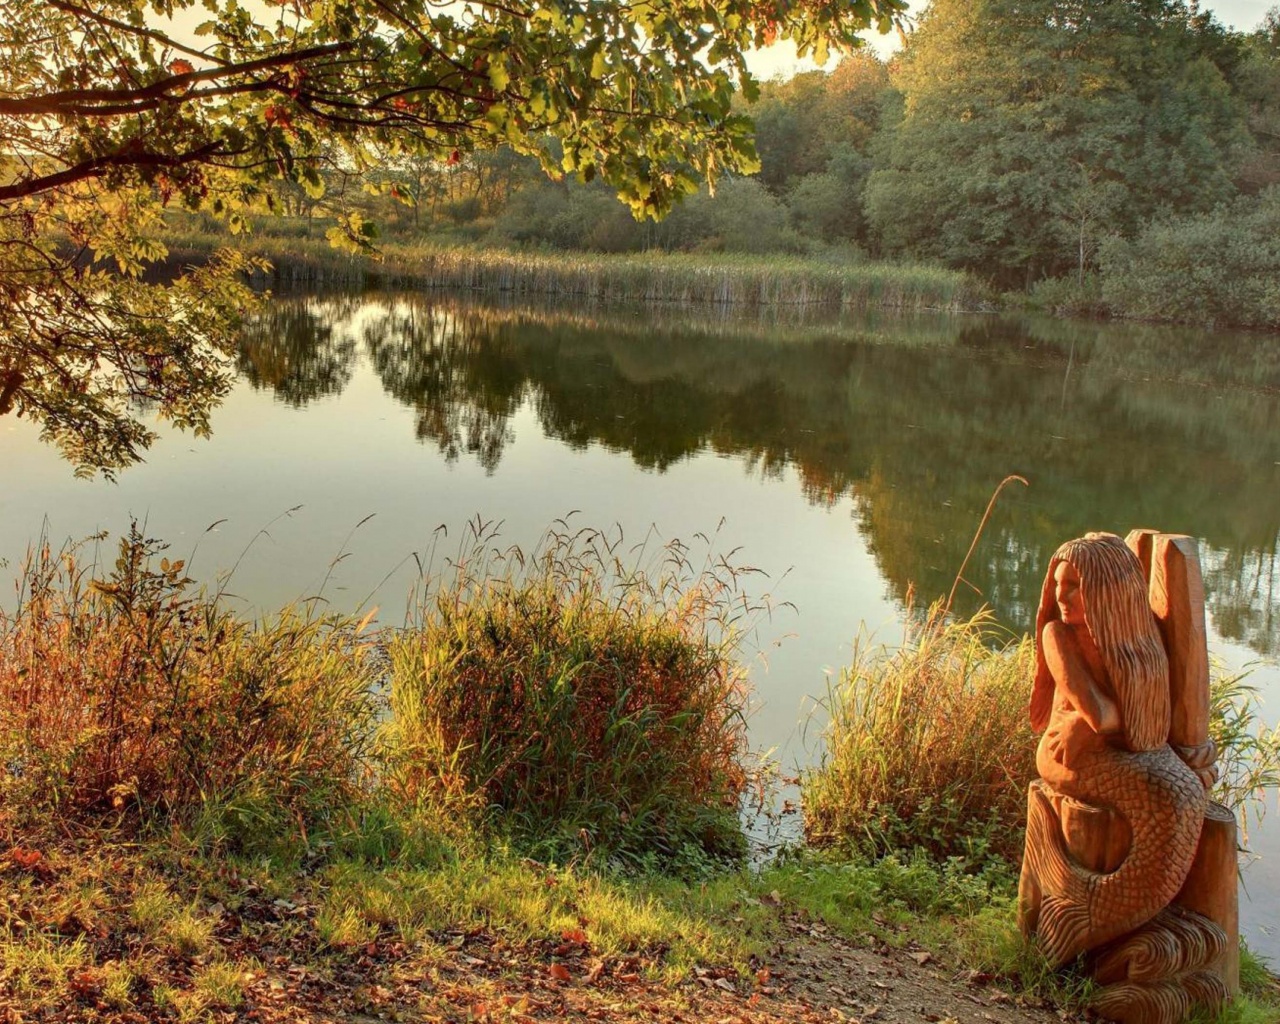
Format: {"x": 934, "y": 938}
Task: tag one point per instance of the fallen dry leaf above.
{"x": 24, "y": 858}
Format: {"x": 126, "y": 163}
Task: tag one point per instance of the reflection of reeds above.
{"x": 647, "y": 278}
{"x": 474, "y": 313}
{"x": 928, "y": 745}
{"x": 596, "y": 706}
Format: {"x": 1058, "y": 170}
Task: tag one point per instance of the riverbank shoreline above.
{"x": 204, "y": 818}
{"x": 108, "y": 930}
{"x": 726, "y": 280}
{"x": 657, "y": 278}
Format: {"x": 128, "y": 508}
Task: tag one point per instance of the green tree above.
{"x": 110, "y": 110}
{"x": 1258, "y": 84}
{"x": 1031, "y": 127}
{"x": 828, "y": 206}
{"x": 1221, "y": 267}
{"x": 788, "y": 126}
{"x": 804, "y": 123}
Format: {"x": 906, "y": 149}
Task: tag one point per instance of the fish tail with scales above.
{"x": 1163, "y": 802}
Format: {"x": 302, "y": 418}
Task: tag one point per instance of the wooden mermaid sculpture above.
{"x": 1114, "y": 823}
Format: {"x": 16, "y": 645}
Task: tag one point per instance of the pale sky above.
{"x": 780, "y": 60}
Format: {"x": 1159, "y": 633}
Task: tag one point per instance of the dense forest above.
{"x": 1095, "y": 156}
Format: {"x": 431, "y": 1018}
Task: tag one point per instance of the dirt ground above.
{"x": 810, "y": 976}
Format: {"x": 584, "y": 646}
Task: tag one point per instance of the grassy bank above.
{"x": 94, "y": 928}
{"x": 566, "y": 701}
{"x": 928, "y": 745}
{"x": 680, "y": 278}
{"x": 521, "y": 805}
{"x": 1134, "y": 283}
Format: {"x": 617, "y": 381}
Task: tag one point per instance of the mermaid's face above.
{"x": 1066, "y": 592}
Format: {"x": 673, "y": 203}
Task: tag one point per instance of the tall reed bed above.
{"x": 590, "y": 704}
{"x": 573, "y": 701}
{"x": 681, "y": 278}
{"x": 130, "y": 699}
{"x": 927, "y": 746}
{"x": 689, "y": 279}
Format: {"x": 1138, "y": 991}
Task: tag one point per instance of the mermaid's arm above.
{"x": 1073, "y": 677}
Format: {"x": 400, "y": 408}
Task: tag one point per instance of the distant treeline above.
{"x": 1115, "y": 158}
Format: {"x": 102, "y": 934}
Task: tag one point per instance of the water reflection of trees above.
{"x": 293, "y": 349}
{"x": 914, "y": 420}
{"x": 452, "y": 370}
{"x": 1244, "y": 595}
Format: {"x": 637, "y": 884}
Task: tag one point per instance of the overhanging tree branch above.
{"x": 83, "y": 102}
{"x": 100, "y": 165}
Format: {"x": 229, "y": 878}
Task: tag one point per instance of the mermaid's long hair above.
{"x": 1113, "y": 588}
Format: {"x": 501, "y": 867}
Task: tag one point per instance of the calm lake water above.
{"x": 849, "y": 458}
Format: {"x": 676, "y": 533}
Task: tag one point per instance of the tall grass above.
{"x": 1248, "y": 751}
{"x": 689, "y": 279}
{"x": 594, "y": 706}
{"x": 569, "y": 702}
{"x": 928, "y": 745}
{"x": 131, "y": 698}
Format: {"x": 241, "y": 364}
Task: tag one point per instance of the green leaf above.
{"x": 499, "y": 77}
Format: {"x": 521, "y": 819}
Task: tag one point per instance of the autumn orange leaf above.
{"x": 560, "y": 972}
{"x": 85, "y": 983}
{"x": 181, "y": 67}
{"x": 24, "y": 858}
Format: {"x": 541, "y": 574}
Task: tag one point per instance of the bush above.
{"x": 596, "y": 708}
{"x": 746, "y": 217}
{"x": 125, "y": 698}
{"x": 1215, "y": 268}
{"x": 464, "y": 210}
{"x": 743, "y": 216}
{"x": 569, "y": 216}
{"x": 1066, "y": 296}
{"x": 828, "y": 206}
{"x": 928, "y": 746}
